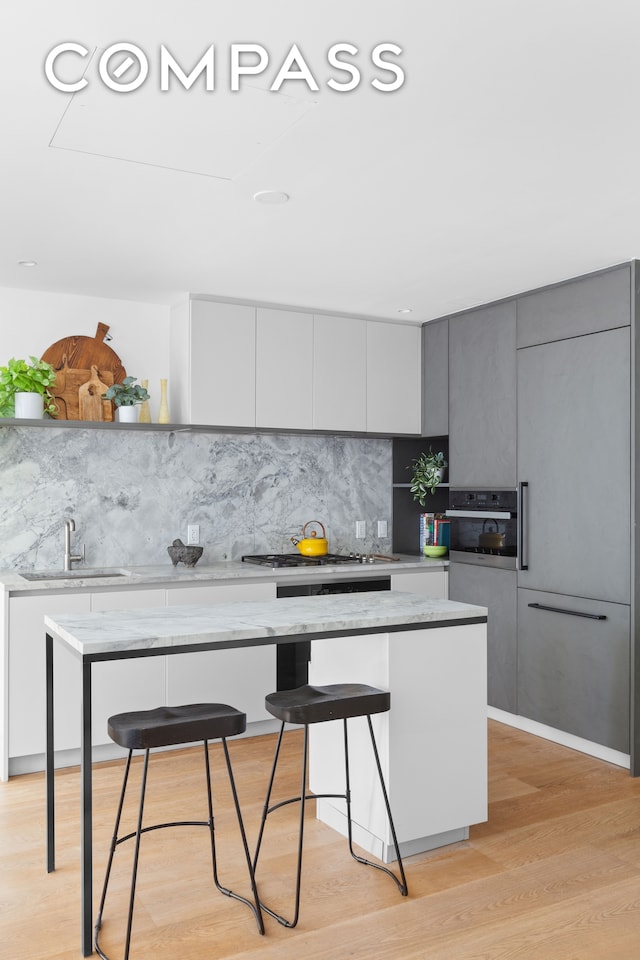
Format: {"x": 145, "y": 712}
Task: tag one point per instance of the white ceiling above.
{"x": 507, "y": 160}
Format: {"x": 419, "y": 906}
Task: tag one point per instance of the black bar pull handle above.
{"x": 571, "y": 613}
{"x": 523, "y": 546}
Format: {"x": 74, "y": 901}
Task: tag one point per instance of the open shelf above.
{"x": 406, "y": 510}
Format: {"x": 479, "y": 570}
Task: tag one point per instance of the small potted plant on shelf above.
{"x": 428, "y": 472}
{"x": 24, "y": 389}
{"x": 126, "y": 396}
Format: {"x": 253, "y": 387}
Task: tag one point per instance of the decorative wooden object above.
{"x": 74, "y": 359}
{"x": 90, "y": 403}
{"x": 66, "y": 391}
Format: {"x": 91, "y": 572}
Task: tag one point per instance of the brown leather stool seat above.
{"x": 170, "y": 726}
{"x": 318, "y": 704}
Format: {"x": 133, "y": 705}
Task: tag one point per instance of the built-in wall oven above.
{"x": 484, "y": 527}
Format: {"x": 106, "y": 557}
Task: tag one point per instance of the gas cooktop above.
{"x": 297, "y": 560}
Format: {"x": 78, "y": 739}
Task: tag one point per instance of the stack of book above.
{"x": 434, "y": 530}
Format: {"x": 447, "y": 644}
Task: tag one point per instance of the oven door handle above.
{"x": 481, "y": 514}
{"x": 523, "y": 544}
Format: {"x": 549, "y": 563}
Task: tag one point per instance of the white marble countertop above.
{"x": 233, "y": 570}
{"x": 115, "y": 632}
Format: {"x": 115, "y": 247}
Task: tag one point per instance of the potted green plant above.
{"x": 126, "y": 396}
{"x": 24, "y": 389}
{"x": 428, "y": 471}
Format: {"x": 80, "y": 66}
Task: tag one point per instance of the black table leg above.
{"x": 86, "y": 817}
{"x": 51, "y": 829}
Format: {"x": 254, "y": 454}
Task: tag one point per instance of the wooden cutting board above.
{"x": 82, "y": 353}
{"x": 91, "y": 406}
{"x": 73, "y": 359}
{"x": 66, "y": 391}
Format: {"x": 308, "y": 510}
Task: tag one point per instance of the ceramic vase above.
{"x": 29, "y": 406}
{"x": 163, "y": 412}
{"x": 145, "y": 412}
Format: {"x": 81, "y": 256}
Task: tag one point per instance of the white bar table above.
{"x": 148, "y": 632}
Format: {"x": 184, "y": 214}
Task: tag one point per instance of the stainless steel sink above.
{"x": 91, "y": 574}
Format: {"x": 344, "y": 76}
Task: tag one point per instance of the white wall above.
{"x": 31, "y": 321}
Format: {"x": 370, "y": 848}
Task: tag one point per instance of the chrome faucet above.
{"x": 69, "y": 558}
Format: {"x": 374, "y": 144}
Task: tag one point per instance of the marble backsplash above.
{"x": 132, "y": 494}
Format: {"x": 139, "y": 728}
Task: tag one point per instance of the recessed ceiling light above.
{"x": 27, "y": 263}
{"x": 271, "y": 196}
{"x": 405, "y": 310}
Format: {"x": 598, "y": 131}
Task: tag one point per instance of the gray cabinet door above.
{"x": 574, "y": 452}
{"x": 573, "y": 672}
{"x": 435, "y": 378}
{"x": 600, "y": 301}
{"x": 496, "y": 590}
{"x": 482, "y": 394}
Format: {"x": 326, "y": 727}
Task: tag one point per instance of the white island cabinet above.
{"x": 432, "y": 743}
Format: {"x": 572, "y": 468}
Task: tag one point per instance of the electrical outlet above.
{"x": 361, "y": 529}
{"x": 193, "y": 533}
{"x": 382, "y": 528}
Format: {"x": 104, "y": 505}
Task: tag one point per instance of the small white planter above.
{"x": 128, "y": 414}
{"x": 29, "y": 406}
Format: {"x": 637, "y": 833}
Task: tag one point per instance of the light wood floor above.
{"x": 553, "y": 875}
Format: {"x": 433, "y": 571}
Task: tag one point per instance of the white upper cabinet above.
{"x": 213, "y": 364}
{"x": 393, "y": 378}
{"x": 235, "y": 365}
{"x": 339, "y": 373}
{"x": 284, "y": 369}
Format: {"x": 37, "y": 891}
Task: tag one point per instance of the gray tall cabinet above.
{"x": 574, "y": 451}
{"x": 562, "y": 649}
{"x": 482, "y": 453}
{"x": 482, "y": 385}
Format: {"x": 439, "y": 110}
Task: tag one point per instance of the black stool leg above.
{"x": 114, "y": 842}
{"x": 267, "y": 810}
{"x": 134, "y": 871}
{"x": 112, "y": 850}
{"x": 303, "y": 798}
{"x": 400, "y": 883}
{"x": 255, "y": 906}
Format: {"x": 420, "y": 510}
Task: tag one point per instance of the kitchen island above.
{"x": 431, "y": 652}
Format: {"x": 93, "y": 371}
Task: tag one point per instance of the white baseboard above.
{"x": 559, "y": 736}
{"x": 36, "y": 762}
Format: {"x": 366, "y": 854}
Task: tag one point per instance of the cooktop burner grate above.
{"x": 297, "y": 560}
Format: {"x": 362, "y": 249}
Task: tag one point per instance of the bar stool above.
{"x": 306, "y": 705}
{"x": 164, "y": 726}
